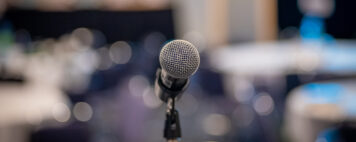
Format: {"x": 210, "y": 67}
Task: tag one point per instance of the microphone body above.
{"x": 167, "y": 86}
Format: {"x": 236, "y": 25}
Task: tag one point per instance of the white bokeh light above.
{"x": 61, "y": 112}
{"x": 82, "y": 111}
{"x": 216, "y": 124}
{"x": 150, "y": 99}
{"x": 263, "y": 104}
{"x": 120, "y": 52}
{"x": 137, "y": 85}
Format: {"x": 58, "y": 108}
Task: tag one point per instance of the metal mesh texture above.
{"x": 179, "y": 58}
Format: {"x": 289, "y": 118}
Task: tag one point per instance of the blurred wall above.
{"x": 242, "y": 25}
{"x": 265, "y": 19}
{"x": 224, "y": 21}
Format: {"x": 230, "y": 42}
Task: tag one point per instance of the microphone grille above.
{"x": 179, "y": 58}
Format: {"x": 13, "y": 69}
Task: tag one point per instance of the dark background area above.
{"x": 115, "y": 25}
{"x": 340, "y": 25}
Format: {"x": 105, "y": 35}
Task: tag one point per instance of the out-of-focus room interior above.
{"x": 270, "y": 70}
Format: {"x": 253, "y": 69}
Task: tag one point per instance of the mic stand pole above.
{"x": 172, "y": 131}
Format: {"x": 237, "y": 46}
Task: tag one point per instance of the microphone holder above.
{"x": 172, "y": 131}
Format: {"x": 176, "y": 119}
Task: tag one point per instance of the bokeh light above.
{"x": 150, "y": 99}
{"x": 263, "y": 104}
{"x": 152, "y": 43}
{"x": 104, "y": 58}
{"x": 216, "y": 124}
{"x": 137, "y": 85}
{"x": 84, "y": 35}
{"x": 120, "y": 52}
{"x": 243, "y": 90}
{"x": 61, "y": 112}
{"x": 82, "y": 111}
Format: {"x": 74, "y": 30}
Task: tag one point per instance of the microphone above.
{"x": 179, "y": 60}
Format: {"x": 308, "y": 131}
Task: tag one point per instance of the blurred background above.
{"x": 271, "y": 70}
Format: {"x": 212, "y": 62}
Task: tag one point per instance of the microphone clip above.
{"x": 172, "y": 130}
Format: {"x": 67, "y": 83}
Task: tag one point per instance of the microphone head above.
{"x": 179, "y": 58}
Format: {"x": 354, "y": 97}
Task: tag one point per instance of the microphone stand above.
{"x": 172, "y": 131}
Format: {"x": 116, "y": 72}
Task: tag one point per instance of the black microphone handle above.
{"x": 164, "y": 92}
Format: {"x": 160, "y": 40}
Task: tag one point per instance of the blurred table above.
{"x": 23, "y": 106}
{"x": 285, "y": 57}
{"x": 34, "y": 99}
{"x": 314, "y": 107}
{"x": 252, "y": 69}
